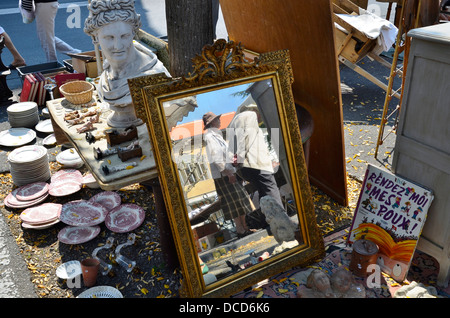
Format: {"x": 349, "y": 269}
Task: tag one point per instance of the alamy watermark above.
{"x": 74, "y": 18}
{"x": 74, "y": 10}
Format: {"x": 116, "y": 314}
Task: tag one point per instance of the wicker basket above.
{"x": 77, "y": 92}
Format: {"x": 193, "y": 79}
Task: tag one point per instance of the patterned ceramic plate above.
{"x": 108, "y": 199}
{"x": 32, "y": 191}
{"x": 83, "y": 213}
{"x": 44, "y": 213}
{"x": 125, "y": 218}
{"x": 12, "y": 202}
{"x": 62, "y": 188}
{"x": 67, "y": 174}
{"x": 78, "y": 234}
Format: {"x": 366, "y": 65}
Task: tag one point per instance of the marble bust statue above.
{"x": 113, "y": 25}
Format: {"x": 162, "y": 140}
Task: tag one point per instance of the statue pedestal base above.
{"x": 123, "y": 117}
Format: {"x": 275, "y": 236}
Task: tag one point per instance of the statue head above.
{"x": 113, "y": 24}
{"x": 104, "y": 12}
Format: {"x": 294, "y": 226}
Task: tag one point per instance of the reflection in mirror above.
{"x": 232, "y": 165}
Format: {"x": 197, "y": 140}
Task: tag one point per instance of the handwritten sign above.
{"x": 391, "y": 212}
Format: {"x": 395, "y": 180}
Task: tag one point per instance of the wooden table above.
{"x": 144, "y": 171}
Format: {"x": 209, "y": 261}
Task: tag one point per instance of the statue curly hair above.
{"x": 103, "y": 12}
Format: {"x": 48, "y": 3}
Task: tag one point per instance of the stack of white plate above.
{"x": 25, "y": 114}
{"x": 29, "y": 164}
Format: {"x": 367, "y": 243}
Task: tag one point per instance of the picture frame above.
{"x": 226, "y": 69}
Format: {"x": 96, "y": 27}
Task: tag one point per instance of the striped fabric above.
{"x": 28, "y": 4}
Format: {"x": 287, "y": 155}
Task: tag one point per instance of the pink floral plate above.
{"x": 66, "y": 174}
{"x": 63, "y": 187}
{"x": 43, "y": 213}
{"x": 39, "y": 226}
{"x": 12, "y": 202}
{"x": 78, "y": 234}
{"x": 125, "y": 218}
{"x": 108, "y": 199}
{"x": 83, "y": 213}
{"x": 32, "y": 191}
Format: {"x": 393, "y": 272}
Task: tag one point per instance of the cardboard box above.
{"x": 201, "y": 231}
{"x": 207, "y": 242}
{"x": 211, "y": 240}
{"x": 86, "y": 63}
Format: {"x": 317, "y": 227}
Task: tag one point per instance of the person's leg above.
{"x": 45, "y": 27}
{"x": 18, "y": 59}
{"x": 65, "y": 48}
{"x": 269, "y": 187}
{"x": 264, "y": 183}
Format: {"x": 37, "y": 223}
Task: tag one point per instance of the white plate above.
{"x": 28, "y": 154}
{"x": 50, "y": 140}
{"x": 69, "y": 270}
{"x": 101, "y": 292}
{"x": 41, "y": 214}
{"x": 83, "y": 213}
{"x": 125, "y": 218}
{"x": 32, "y": 191}
{"x": 78, "y": 234}
{"x": 14, "y": 137}
{"x": 45, "y": 112}
{"x": 109, "y": 199}
{"x": 45, "y": 126}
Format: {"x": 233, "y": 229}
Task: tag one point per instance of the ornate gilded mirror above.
{"x": 228, "y": 240}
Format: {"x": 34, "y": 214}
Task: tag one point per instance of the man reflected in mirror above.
{"x": 252, "y": 156}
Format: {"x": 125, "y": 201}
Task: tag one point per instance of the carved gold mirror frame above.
{"x": 220, "y": 66}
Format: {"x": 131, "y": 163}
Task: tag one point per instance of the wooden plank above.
{"x": 305, "y": 28}
{"x": 347, "y": 5}
{"x": 367, "y": 75}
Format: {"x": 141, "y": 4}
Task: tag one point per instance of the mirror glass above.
{"x": 230, "y": 156}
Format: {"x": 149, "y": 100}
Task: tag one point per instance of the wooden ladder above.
{"x": 400, "y": 46}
